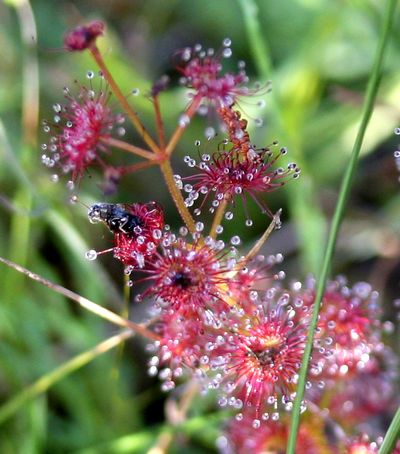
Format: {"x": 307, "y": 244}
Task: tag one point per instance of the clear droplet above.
{"x": 91, "y": 255}
{"x": 235, "y": 240}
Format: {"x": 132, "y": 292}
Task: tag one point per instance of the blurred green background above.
{"x": 317, "y": 53}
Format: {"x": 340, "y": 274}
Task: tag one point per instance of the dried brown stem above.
{"x": 84, "y": 302}
{"x": 260, "y": 243}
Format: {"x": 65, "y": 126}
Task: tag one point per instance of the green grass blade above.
{"x": 48, "y": 380}
{"x": 392, "y": 435}
{"x": 370, "y": 96}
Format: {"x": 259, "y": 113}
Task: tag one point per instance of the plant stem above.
{"x": 218, "y": 217}
{"x": 392, "y": 435}
{"x": 176, "y": 195}
{"x": 176, "y": 416}
{"x": 84, "y": 302}
{"x": 124, "y": 170}
{"x": 122, "y": 99}
{"x": 276, "y": 223}
{"x": 159, "y": 122}
{"x": 129, "y": 148}
{"x": 176, "y": 136}
{"x": 48, "y": 380}
{"x": 370, "y": 96}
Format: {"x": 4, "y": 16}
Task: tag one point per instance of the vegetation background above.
{"x": 317, "y": 53}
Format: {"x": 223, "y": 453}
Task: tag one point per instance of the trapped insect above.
{"x": 124, "y": 218}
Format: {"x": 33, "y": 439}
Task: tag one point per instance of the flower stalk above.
{"x": 132, "y": 115}
{"x": 84, "y": 302}
{"x": 370, "y": 96}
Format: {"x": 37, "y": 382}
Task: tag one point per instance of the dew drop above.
{"x": 256, "y": 424}
{"x": 184, "y": 120}
{"x": 54, "y": 178}
{"x": 202, "y": 110}
{"x": 91, "y": 255}
{"x": 183, "y": 231}
{"x": 157, "y": 234}
{"x": 388, "y": 327}
{"x": 235, "y": 240}
{"x": 70, "y": 185}
{"x": 253, "y": 295}
{"x": 199, "y": 226}
{"x": 227, "y": 52}
{"x": 135, "y": 92}
{"x": 209, "y": 132}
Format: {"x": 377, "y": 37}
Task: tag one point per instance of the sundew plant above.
{"x": 193, "y": 232}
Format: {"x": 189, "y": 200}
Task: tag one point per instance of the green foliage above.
{"x": 318, "y": 54}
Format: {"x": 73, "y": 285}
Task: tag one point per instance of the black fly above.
{"x": 116, "y": 216}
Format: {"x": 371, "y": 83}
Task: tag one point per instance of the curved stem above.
{"x": 124, "y": 170}
{"x": 84, "y": 302}
{"x": 218, "y": 217}
{"x": 392, "y": 435}
{"x": 372, "y": 89}
{"x": 122, "y": 99}
{"x": 176, "y": 136}
{"x": 159, "y": 122}
{"x": 176, "y": 195}
{"x": 276, "y": 223}
{"x": 128, "y": 147}
{"x": 176, "y": 415}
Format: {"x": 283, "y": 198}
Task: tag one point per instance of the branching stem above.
{"x": 132, "y": 115}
